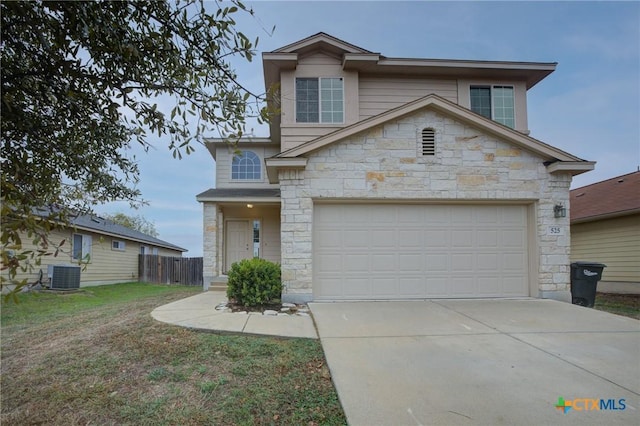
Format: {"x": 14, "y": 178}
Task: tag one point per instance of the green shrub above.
{"x": 254, "y": 282}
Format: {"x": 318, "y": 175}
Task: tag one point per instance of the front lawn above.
{"x": 620, "y": 304}
{"x": 97, "y": 357}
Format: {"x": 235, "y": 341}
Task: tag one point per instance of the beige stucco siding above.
{"x": 380, "y": 94}
{"x": 105, "y": 265}
{"x": 315, "y": 65}
{"x": 224, "y": 158}
{"x": 614, "y": 242}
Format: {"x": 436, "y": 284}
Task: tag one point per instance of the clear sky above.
{"x": 589, "y": 107}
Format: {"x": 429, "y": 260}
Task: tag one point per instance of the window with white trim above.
{"x": 117, "y": 245}
{"x": 246, "y": 166}
{"x": 319, "y": 100}
{"x": 494, "y": 102}
{"x": 81, "y": 247}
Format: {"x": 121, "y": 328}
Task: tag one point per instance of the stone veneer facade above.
{"x": 210, "y": 266}
{"x": 386, "y": 163}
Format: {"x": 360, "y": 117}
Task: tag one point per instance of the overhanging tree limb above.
{"x": 79, "y": 80}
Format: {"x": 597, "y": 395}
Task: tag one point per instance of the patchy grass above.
{"x": 97, "y": 357}
{"x": 621, "y": 304}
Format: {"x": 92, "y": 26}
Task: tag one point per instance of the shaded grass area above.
{"x": 97, "y": 357}
{"x": 627, "y": 305}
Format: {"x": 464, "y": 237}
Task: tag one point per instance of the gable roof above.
{"x": 360, "y": 60}
{"x": 613, "y": 197}
{"x": 321, "y": 40}
{"x": 108, "y": 227}
{"x": 555, "y": 159}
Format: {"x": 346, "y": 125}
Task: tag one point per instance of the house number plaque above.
{"x": 555, "y": 230}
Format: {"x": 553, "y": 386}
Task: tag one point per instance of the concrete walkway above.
{"x": 198, "y": 312}
{"x": 480, "y": 362}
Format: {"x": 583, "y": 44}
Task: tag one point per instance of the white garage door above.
{"x": 408, "y": 251}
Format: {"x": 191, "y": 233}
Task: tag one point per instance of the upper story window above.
{"x": 494, "y": 102}
{"x": 319, "y": 100}
{"x": 245, "y": 166}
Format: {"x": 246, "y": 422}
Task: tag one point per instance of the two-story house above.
{"x": 394, "y": 178}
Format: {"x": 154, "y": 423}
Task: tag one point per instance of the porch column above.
{"x": 210, "y": 243}
{"x": 295, "y": 232}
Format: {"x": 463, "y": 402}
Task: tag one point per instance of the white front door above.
{"x": 238, "y": 242}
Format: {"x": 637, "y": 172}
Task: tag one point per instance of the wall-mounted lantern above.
{"x": 559, "y": 211}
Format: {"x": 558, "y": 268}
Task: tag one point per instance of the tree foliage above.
{"x": 137, "y": 223}
{"x": 81, "y": 81}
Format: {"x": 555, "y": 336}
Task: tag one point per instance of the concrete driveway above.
{"x": 481, "y": 362}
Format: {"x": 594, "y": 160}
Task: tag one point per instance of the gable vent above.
{"x": 428, "y": 141}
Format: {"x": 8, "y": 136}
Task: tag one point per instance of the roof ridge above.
{"x": 604, "y": 181}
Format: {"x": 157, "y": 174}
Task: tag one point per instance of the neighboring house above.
{"x": 107, "y": 251}
{"x": 605, "y": 228}
{"x": 394, "y": 178}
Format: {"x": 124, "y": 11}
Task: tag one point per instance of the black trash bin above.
{"x": 584, "y": 280}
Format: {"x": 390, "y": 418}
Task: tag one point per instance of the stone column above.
{"x": 210, "y": 237}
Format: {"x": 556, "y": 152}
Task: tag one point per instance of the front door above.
{"x": 239, "y": 242}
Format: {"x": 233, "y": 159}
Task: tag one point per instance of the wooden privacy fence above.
{"x": 170, "y": 270}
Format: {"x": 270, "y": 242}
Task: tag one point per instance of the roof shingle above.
{"x": 616, "y": 196}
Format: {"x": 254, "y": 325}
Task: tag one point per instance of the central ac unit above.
{"x": 64, "y": 277}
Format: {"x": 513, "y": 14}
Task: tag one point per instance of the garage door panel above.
{"x": 333, "y": 285}
{"x": 378, "y": 215}
{"x": 389, "y": 251}
{"x": 356, "y": 263}
{"x": 461, "y": 216}
{"x": 383, "y": 262}
{"x": 411, "y": 287}
{"x": 436, "y": 238}
{"x": 488, "y": 261}
{"x": 356, "y": 287}
{"x": 437, "y": 215}
{"x": 490, "y": 286}
{"x": 384, "y": 287}
{"x": 513, "y": 262}
{"x": 463, "y": 286}
{"x": 462, "y": 238}
{"x": 436, "y": 262}
{"x": 410, "y": 238}
{"x": 410, "y": 263}
{"x": 330, "y": 239}
{"x": 462, "y": 262}
{"x": 511, "y": 284}
{"x": 381, "y": 237}
{"x": 512, "y": 238}
{"x": 437, "y": 286}
{"x": 328, "y": 262}
{"x": 489, "y": 214}
{"x": 355, "y": 238}
{"x": 513, "y": 216}
{"x": 487, "y": 238}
